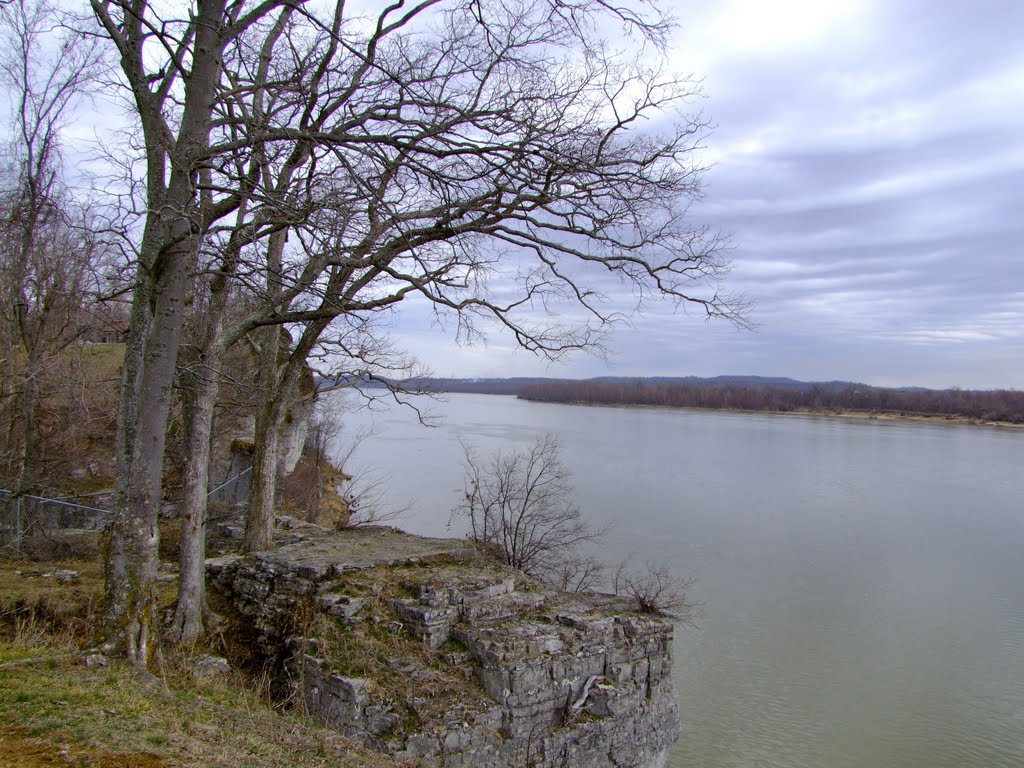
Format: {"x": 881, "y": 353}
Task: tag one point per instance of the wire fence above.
{"x": 41, "y": 528}
{"x": 235, "y": 488}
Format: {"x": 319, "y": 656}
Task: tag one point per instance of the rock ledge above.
{"x": 424, "y": 649}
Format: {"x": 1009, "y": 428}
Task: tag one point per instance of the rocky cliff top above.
{"x": 431, "y": 651}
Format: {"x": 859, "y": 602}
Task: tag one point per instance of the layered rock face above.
{"x": 425, "y": 650}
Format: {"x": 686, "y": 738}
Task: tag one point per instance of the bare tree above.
{"x": 48, "y": 259}
{"x": 200, "y": 376}
{"x": 171, "y": 69}
{"x": 522, "y": 504}
{"x": 417, "y": 154}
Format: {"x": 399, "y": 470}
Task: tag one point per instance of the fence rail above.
{"x": 38, "y": 527}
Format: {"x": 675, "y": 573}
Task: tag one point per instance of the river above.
{"x": 863, "y": 580}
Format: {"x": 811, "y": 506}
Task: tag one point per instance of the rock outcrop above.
{"x": 426, "y": 650}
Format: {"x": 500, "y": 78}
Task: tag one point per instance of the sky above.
{"x": 868, "y": 165}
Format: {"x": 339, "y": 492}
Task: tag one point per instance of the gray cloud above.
{"x": 869, "y": 165}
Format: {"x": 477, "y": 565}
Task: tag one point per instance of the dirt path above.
{"x": 19, "y": 750}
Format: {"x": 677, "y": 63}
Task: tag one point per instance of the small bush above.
{"x": 657, "y": 591}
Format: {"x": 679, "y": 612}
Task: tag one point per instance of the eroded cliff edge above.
{"x": 427, "y": 650}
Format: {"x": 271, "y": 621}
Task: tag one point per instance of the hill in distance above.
{"x": 513, "y": 386}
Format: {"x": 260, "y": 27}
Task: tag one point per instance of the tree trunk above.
{"x": 187, "y": 624}
{"x": 279, "y": 387}
{"x": 139, "y": 321}
{"x": 204, "y": 381}
{"x": 259, "y": 518}
{"x": 174, "y": 224}
{"x": 24, "y": 477}
{"x": 132, "y": 555}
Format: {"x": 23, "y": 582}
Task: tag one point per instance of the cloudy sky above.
{"x": 869, "y": 165}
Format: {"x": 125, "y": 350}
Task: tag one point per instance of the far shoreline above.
{"x": 846, "y": 414}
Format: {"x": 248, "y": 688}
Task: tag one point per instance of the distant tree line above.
{"x": 994, "y": 405}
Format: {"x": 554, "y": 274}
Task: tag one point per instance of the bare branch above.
{"x": 521, "y": 503}
{"x": 657, "y": 590}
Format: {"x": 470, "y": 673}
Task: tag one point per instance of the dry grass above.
{"x": 58, "y": 711}
{"x": 18, "y": 749}
{"x": 65, "y": 707}
{"x": 35, "y": 606}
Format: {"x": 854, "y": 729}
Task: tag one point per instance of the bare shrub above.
{"x": 657, "y": 591}
{"x": 578, "y": 574}
{"x": 365, "y": 497}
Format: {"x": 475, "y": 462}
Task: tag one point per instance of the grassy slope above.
{"x": 55, "y": 710}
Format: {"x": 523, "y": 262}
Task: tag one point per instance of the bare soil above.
{"x": 19, "y": 750}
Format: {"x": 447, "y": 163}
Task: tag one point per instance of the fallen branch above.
{"x": 578, "y": 704}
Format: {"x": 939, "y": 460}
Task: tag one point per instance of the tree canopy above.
{"x": 526, "y": 166}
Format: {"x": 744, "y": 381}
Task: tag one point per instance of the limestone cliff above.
{"x": 427, "y": 650}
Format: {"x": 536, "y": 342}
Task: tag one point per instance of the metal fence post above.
{"x": 17, "y": 526}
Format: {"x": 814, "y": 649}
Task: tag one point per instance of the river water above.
{"x": 863, "y": 580}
